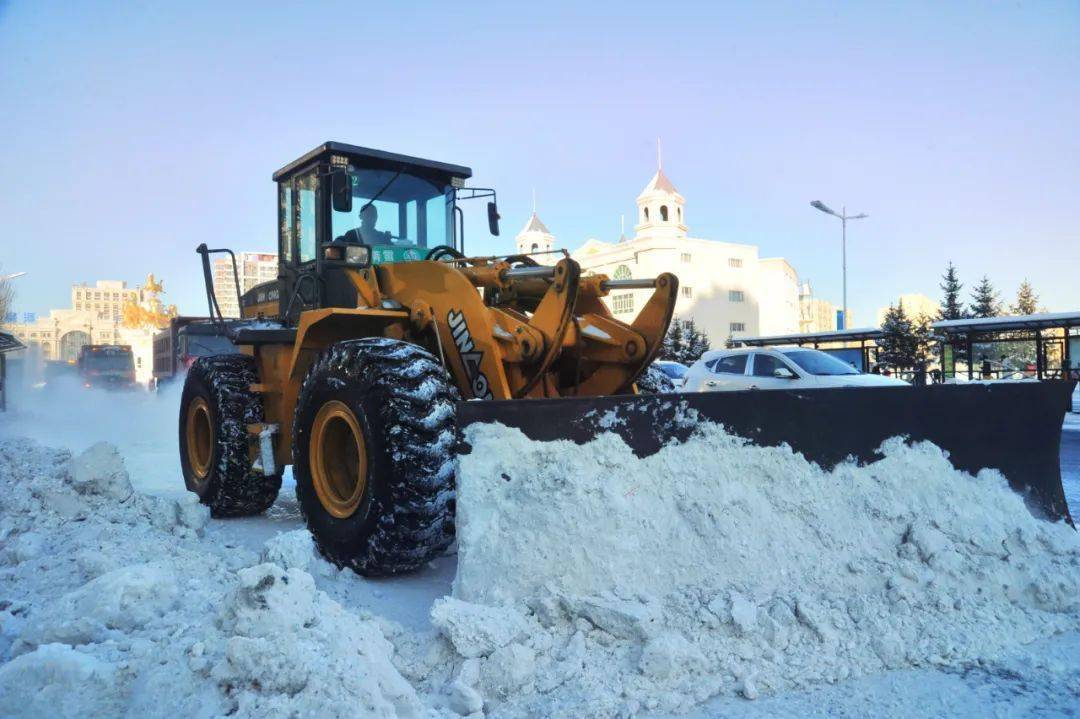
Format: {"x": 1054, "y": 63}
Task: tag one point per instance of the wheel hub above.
{"x": 200, "y": 437}
{"x": 338, "y": 459}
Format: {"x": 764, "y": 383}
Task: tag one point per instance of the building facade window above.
{"x": 737, "y": 327}
{"x": 622, "y": 272}
{"x": 687, "y": 292}
{"x": 685, "y": 257}
{"x": 663, "y": 213}
{"x": 736, "y": 296}
{"x": 734, "y": 262}
{"x": 622, "y": 304}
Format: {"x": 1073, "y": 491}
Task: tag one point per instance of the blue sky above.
{"x": 134, "y": 131}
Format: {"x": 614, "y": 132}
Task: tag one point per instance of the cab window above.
{"x": 393, "y": 209}
{"x": 766, "y": 365}
{"x": 285, "y": 219}
{"x": 733, "y": 364}
{"x": 305, "y": 190}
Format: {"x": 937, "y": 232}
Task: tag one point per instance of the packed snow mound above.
{"x": 112, "y": 605}
{"x": 715, "y": 566}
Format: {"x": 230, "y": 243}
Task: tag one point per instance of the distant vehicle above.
{"x": 106, "y": 366}
{"x": 675, "y": 371}
{"x": 776, "y": 368}
{"x": 185, "y": 339}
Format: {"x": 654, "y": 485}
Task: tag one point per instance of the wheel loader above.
{"x": 381, "y": 338}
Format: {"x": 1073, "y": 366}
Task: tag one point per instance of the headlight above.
{"x": 358, "y": 255}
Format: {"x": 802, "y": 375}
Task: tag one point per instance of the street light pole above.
{"x": 844, "y": 217}
{"x": 843, "y": 256}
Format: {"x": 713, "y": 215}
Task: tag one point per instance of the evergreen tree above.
{"x": 922, "y": 340}
{"x": 984, "y": 300}
{"x": 898, "y": 347}
{"x": 697, "y": 344}
{"x": 674, "y": 345}
{"x": 951, "y": 306}
{"x": 1027, "y": 302}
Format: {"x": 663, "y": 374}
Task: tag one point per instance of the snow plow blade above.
{"x": 1011, "y": 427}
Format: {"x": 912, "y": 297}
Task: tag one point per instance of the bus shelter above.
{"x": 856, "y": 346}
{"x": 8, "y": 343}
{"x": 1040, "y": 346}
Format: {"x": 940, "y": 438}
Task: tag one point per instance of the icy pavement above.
{"x": 124, "y": 600}
{"x": 1038, "y": 680}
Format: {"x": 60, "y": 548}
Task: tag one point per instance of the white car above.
{"x": 776, "y": 368}
{"x": 675, "y": 371}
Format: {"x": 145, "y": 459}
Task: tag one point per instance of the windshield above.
{"x": 398, "y": 214}
{"x": 112, "y": 361}
{"x": 208, "y": 345}
{"x": 820, "y": 363}
{"x": 673, "y": 370}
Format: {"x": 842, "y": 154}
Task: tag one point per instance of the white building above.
{"x": 778, "y": 297}
{"x": 535, "y": 237}
{"x": 95, "y": 317}
{"x": 816, "y": 314}
{"x": 104, "y": 300}
{"x": 724, "y": 287}
{"x": 252, "y": 268}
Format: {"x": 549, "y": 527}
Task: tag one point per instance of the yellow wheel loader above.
{"x": 358, "y": 363}
{"x": 376, "y": 326}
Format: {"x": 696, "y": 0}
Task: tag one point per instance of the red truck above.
{"x": 106, "y": 366}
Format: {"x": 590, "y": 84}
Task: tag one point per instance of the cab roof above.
{"x": 378, "y": 159}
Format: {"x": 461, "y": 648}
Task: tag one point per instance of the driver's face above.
{"x": 368, "y": 216}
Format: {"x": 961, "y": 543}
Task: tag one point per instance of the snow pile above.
{"x": 715, "y": 567}
{"x": 112, "y": 604}
{"x": 591, "y": 583}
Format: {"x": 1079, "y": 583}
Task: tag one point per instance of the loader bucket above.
{"x": 1012, "y": 427}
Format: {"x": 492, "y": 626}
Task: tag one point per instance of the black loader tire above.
{"x": 228, "y": 484}
{"x": 654, "y": 381}
{"x": 401, "y": 514}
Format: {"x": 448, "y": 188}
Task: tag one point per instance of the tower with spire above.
{"x": 660, "y": 206}
{"x": 535, "y": 237}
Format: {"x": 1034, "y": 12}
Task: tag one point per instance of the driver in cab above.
{"x": 366, "y": 232}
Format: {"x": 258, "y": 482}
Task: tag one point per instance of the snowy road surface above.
{"x": 1039, "y": 679}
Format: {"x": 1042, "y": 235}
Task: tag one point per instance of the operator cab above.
{"x": 345, "y": 207}
{"x": 400, "y": 206}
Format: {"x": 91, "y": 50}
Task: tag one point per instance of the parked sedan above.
{"x": 776, "y": 368}
{"x": 675, "y": 371}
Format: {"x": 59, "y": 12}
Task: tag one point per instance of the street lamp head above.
{"x": 859, "y": 216}
{"x": 819, "y": 205}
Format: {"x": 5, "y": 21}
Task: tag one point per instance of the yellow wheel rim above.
{"x": 200, "y": 437}
{"x": 338, "y": 459}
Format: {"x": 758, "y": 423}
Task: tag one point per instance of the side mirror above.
{"x": 783, "y": 373}
{"x": 493, "y": 219}
{"x": 341, "y": 191}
